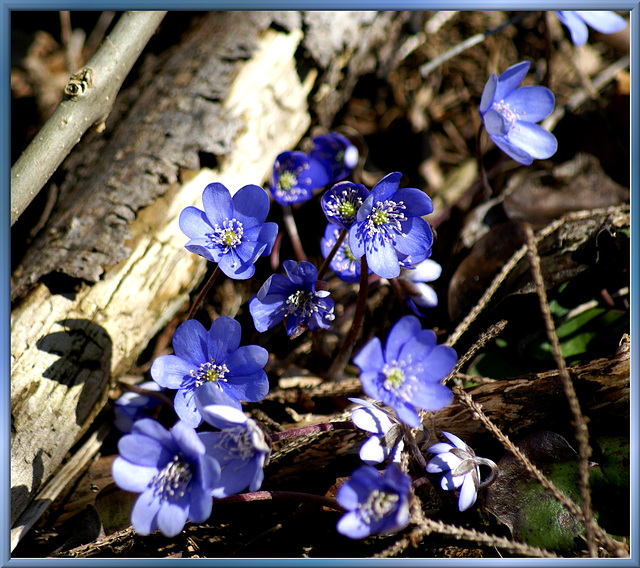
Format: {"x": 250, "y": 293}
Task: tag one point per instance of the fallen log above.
{"x": 109, "y": 270}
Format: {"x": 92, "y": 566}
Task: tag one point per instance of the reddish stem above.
{"x": 284, "y": 495}
{"x": 332, "y": 253}
{"x": 312, "y": 429}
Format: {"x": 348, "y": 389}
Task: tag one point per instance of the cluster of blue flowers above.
{"x": 383, "y": 231}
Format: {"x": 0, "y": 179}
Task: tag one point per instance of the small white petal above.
{"x": 371, "y": 420}
{"x": 468, "y": 493}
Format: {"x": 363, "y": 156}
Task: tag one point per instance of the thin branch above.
{"x": 579, "y": 422}
{"x": 90, "y": 96}
{"x": 427, "y": 526}
{"x": 582, "y": 95}
{"x": 478, "y": 414}
{"x": 467, "y": 44}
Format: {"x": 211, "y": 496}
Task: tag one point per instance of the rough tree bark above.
{"x": 229, "y": 92}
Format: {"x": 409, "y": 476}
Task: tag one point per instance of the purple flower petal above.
{"x": 131, "y": 477}
{"x": 188, "y": 440}
{"x": 142, "y": 450}
{"x": 171, "y": 372}
{"x": 417, "y": 238}
{"x": 185, "y": 406}
{"x": 172, "y": 518}
{"x": 353, "y": 526}
{"x": 300, "y": 272}
{"x": 370, "y": 357}
{"x": 190, "y": 342}
{"x": 382, "y": 258}
{"x": 537, "y": 102}
{"x": 603, "y": 21}
{"x": 251, "y": 205}
{"x": 415, "y": 200}
{"x": 534, "y": 140}
{"x": 488, "y": 94}
{"x": 194, "y": 223}
{"x": 468, "y": 493}
{"x": 510, "y": 79}
{"x": 217, "y": 203}
{"x": 268, "y": 234}
{"x": 512, "y": 150}
{"x": 223, "y": 338}
{"x": 200, "y": 504}
{"x": 403, "y": 331}
{"x": 145, "y": 513}
{"x": 577, "y": 27}
{"x": 386, "y": 187}
{"x": 212, "y": 393}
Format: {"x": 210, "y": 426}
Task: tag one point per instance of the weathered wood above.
{"x": 230, "y": 89}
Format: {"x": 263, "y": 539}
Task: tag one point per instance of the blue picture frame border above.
{"x": 5, "y": 234}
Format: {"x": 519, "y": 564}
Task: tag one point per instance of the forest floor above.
{"x": 424, "y": 127}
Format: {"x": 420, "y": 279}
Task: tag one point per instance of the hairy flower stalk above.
{"x": 347, "y": 346}
{"x": 335, "y": 243}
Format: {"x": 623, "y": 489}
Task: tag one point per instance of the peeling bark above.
{"x": 230, "y": 91}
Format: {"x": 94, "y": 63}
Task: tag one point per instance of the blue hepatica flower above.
{"x": 601, "y": 20}
{"x": 376, "y": 504}
{"x": 341, "y": 203}
{"x": 338, "y": 151}
{"x": 343, "y": 263}
{"x": 387, "y": 440}
{"x": 131, "y": 406}
{"x": 172, "y": 473}
{"x": 210, "y": 367}
{"x": 510, "y": 115}
{"x": 406, "y": 374}
{"x": 460, "y": 466}
{"x": 419, "y": 294}
{"x": 293, "y": 298}
{"x": 389, "y": 226}
{"x": 295, "y": 175}
{"x": 231, "y": 230}
{"x": 240, "y": 447}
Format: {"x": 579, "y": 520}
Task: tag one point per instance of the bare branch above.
{"x": 89, "y": 98}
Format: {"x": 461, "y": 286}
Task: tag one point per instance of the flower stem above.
{"x": 419, "y": 482}
{"x": 198, "y": 302}
{"x": 332, "y": 253}
{"x": 286, "y": 495}
{"x": 347, "y": 347}
{"x": 415, "y": 450}
{"x": 147, "y": 392}
{"x": 292, "y": 229}
{"x": 312, "y": 429}
{"x": 481, "y": 171}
